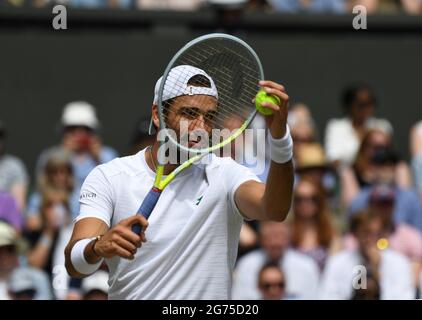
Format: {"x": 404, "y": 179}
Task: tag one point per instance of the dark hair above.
{"x": 2, "y": 130}
{"x": 350, "y": 93}
{"x": 269, "y": 265}
{"x": 358, "y": 220}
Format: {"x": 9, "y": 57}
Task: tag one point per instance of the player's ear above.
{"x": 155, "y": 118}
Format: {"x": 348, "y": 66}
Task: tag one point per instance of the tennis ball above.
{"x": 261, "y": 97}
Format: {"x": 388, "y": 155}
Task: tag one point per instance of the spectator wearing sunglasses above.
{"x": 271, "y": 282}
{"x": 312, "y": 230}
{"x": 343, "y": 136}
{"x": 361, "y": 173}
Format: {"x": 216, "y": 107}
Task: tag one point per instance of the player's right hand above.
{"x": 121, "y": 240}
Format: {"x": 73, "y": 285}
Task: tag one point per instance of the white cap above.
{"x": 8, "y": 235}
{"x": 80, "y": 113}
{"x": 96, "y": 281}
{"x": 177, "y": 85}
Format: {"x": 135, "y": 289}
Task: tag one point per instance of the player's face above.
{"x": 196, "y": 113}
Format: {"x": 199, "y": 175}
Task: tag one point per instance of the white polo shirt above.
{"x": 193, "y": 231}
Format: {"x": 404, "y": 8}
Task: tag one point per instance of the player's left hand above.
{"x": 276, "y": 122}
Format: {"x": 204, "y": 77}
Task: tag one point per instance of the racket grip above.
{"x": 147, "y": 207}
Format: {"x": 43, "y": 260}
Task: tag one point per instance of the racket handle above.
{"x": 147, "y": 206}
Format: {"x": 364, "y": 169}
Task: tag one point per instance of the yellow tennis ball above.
{"x": 261, "y": 97}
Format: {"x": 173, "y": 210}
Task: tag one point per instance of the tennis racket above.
{"x": 231, "y": 72}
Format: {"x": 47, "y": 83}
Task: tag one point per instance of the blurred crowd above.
{"x": 282, "y": 6}
{"x": 354, "y": 230}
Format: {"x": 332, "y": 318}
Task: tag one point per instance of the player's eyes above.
{"x": 190, "y": 113}
{"x": 210, "y": 116}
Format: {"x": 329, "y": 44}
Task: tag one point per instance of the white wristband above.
{"x": 79, "y": 262}
{"x": 281, "y": 150}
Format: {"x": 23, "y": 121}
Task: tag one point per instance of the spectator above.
{"x": 361, "y": 175}
{"x": 18, "y": 282}
{"x": 359, "y": 104}
{"x": 416, "y": 153}
{"x": 302, "y": 126}
{"x": 313, "y": 6}
{"x": 50, "y": 225}
{"x": 95, "y": 287}
{"x": 80, "y": 138}
{"x": 29, "y": 284}
{"x": 408, "y": 6}
{"x": 271, "y": 282}
{"x": 407, "y": 205}
{"x": 57, "y": 177}
{"x": 301, "y": 271}
{"x": 178, "y": 5}
{"x": 312, "y": 231}
{"x": 13, "y": 175}
{"x": 389, "y": 272}
{"x": 400, "y": 236}
{"x": 9, "y": 211}
{"x": 311, "y": 164}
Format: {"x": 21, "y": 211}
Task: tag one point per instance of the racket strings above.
{"x": 235, "y": 73}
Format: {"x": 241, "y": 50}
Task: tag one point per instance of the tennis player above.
{"x": 189, "y": 243}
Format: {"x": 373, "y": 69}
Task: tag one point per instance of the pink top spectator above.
{"x": 405, "y": 239}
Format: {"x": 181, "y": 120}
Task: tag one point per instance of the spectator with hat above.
{"x": 311, "y": 164}
{"x": 80, "y": 137}
{"x": 13, "y": 174}
{"x": 18, "y": 281}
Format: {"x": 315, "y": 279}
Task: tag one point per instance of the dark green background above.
{"x": 113, "y": 62}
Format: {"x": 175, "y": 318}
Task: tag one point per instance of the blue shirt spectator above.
{"x": 98, "y": 4}
{"x": 314, "y": 6}
{"x": 407, "y": 206}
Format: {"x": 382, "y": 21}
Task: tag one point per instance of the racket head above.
{"x": 235, "y": 71}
